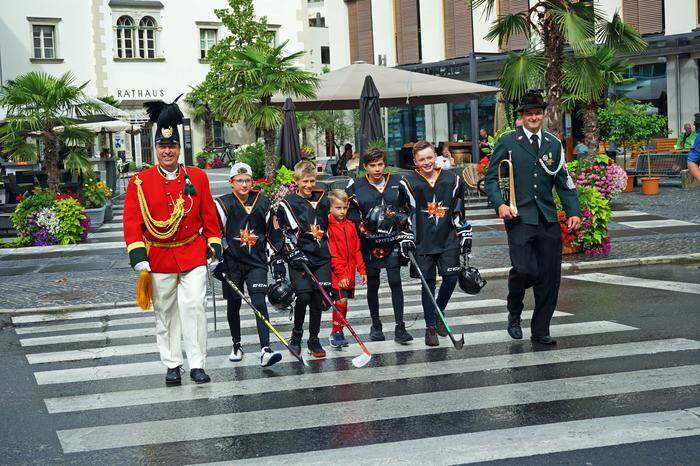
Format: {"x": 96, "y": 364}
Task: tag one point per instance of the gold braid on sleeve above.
{"x": 160, "y": 229}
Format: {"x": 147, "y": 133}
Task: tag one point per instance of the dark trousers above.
{"x": 233, "y": 314}
{"x": 535, "y": 254}
{"x": 314, "y": 302}
{"x": 393, "y": 275}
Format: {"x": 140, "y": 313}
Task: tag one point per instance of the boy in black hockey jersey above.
{"x": 379, "y": 188}
{"x": 439, "y": 232}
{"x": 245, "y": 219}
{"x": 303, "y": 215}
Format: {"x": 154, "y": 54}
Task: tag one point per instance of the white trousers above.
{"x": 179, "y": 307}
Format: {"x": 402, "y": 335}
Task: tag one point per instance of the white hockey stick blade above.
{"x": 361, "y": 360}
{"x": 304, "y": 360}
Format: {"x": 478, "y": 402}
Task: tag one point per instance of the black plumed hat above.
{"x": 532, "y": 99}
{"x": 167, "y": 117}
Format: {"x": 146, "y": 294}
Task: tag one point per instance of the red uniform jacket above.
{"x": 200, "y": 221}
{"x": 346, "y": 257}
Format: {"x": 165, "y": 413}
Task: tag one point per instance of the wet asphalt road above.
{"x": 624, "y": 352}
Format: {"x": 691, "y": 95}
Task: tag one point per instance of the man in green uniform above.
{"x": 534, "y": 235}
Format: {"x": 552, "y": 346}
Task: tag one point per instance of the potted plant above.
{"x": 94, "y": 196}
{"x": 650, "y": 184}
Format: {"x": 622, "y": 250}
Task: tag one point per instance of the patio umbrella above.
{"x": 370, "y": 118}
{"x": 290, "y": 152}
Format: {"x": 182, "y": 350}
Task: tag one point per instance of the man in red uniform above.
{"x": 171, "y": 230}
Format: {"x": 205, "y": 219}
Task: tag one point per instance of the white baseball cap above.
{"x": 240, "y": 168}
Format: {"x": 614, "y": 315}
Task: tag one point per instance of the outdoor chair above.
{"x": 472, "y": 180}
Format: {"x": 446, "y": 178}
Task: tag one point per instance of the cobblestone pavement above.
{"x": 106, "y": 277}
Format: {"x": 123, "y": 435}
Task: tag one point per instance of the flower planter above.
{"x": 650, "y": 186}
{"x": 571, "y": 248}
{"x": 97, "y": 216}
{"x": 630, "y": 184}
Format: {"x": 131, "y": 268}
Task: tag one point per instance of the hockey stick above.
{"x": 213, "y": 293}
{"x": 262, "y": 319}
{"x": 458, "y": 344}
{"x": 366, "y": 356}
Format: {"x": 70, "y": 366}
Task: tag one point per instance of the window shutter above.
{"x": 646, "y": 16}
{"x": 630, "y": 13}
{"x": 360, "y": 27}
{"x": 458, "y": 28}
{"x": 518, "y": 41}
{"x": 407, "y": 40}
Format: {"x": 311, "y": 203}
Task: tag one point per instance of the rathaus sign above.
{"x": 139, "y": 93}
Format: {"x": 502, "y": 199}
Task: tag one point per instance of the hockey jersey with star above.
{"x": 248, "y": 228}
{"x": 435, "y": 210}
{"x": 307, "y": 220}
{"x": 378, "y": 251}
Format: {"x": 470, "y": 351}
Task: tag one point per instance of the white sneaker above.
{"x": 236, "y": 353}
{"x": 269, "y": 357}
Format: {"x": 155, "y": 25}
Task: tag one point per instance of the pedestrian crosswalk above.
{"x": 101, "y": 382}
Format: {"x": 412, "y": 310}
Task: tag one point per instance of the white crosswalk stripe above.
{"x": 104, "y": 382}
{"x": 622, "y": 280}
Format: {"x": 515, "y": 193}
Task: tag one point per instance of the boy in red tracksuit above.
{"x": 346, "y": 258}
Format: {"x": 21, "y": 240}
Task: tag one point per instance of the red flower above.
{"x": 19, "y": 198}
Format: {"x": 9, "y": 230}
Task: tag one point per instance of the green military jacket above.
{"x": 536, "y": 175}
{"x": 689, "y": 141}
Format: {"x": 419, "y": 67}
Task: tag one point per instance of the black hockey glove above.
{"x": 465, "y": 239}
{"x": 219, "y": 270}
{"x": 407, "y": 243}
{"x": 296, "y": 259}
{"x": 277, "y": 267}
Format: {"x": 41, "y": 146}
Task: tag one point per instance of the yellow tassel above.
{"x": 144, "y": 290}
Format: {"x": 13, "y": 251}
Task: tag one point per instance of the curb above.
{"x": 501, "y": 272}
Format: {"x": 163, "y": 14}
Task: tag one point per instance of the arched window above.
{"x": 147, "y": 37}
{"x": 125, "y": 37}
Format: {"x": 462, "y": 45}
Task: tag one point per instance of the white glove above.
{"x": 143, "y": 265}
{"x": 211, "y": 264}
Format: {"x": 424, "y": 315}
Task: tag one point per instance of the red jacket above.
{"x": 346, "y": 257}
{"x": 198, "y": 228}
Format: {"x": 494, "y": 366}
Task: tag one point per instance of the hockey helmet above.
{"x": 380, "y": 220}
{"x": 470, "y": 280}
{"x": 281, "y": 294}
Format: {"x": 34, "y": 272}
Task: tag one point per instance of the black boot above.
{"x": 514, "y": 329}
{"x": 315, "y": 348}
{"x": 295, "y": 341}
{"x": 375, "y": 333}
{"x": 401, "y": 335}
{"x": 199, "y": 376}
{"x": 172, "y": 377}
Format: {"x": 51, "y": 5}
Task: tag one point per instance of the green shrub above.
{"x": 254, "y": 155}
{"x": 70, "y": 214}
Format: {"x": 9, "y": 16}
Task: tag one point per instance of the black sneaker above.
{"x": 401, "y": 335}
{"x": 199, "y": 376}
{"x": 315, "y": 348}
{"x": 431, "y": 338}
{"x": 440, "y": 326}
{"x": 295, "y": 341}
{"x": 172, "y": 377}
{"x": 375, "y": 333}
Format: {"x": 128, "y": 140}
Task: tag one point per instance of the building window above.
{"x": 44, "y": 41}
{"x": 125, "y": 37}
{"x": 272, "y": 37}
{"x": 317, "y": 21}
{"x": 207, "y": 39}
{"x": 648, "y": 85}
{"x": 325, "y": 55}
{"x": 147, "y": 37}
{"x": 217, "y": 130}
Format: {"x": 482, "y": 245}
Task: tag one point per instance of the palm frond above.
{"x": 76, "y": 161}
{"x": 489, "y": 5}
{"x": 507, "y": 26}
{"x": 618, "y": 35}
{"x": 577, "y": 25}
{"x": 583, "y": 79}
{"x": 522, "y": 71}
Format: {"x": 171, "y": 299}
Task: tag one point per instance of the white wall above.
{"x": 681, "y": 16}
{"x": 339, "y": 35}
{"x": 609, "y": 7}
{"x": 432, "y": 23}
{"x": 383, "y": 29}
{"x": 682, "y": 93}
{"x": 482, "y": 24}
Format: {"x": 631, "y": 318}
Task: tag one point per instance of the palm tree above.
{"x": 201, "y": 111}
{"x": 586, "y": 79}
{"x": 48, "y": 107}
{"x": 556, "y": 24}
{"x": 256, "y": 74}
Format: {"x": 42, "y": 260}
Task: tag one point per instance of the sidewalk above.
{"x": 642, "y": 227}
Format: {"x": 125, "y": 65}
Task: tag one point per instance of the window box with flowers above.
{"x": 94, "y": 197}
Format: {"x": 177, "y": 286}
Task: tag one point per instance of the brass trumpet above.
{"x": 507, "y": 185}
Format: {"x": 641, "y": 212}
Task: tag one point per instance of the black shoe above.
{"x": 295, "y": 341}
{"x": 199, "y": 376}
{"x": 514, "y": 329}
{"x": 172, "y": 377}
{"x": 544, "y": 340}
{"x": 431, "y": 338}
{"x": 401, "y": 335}
{"x": 375, "y": 333}
{"x": 315, "y": 348}
{"x": 440, "y": 326}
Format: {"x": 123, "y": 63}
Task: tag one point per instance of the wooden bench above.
{"x": 667, "y": 165}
